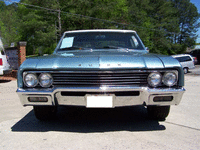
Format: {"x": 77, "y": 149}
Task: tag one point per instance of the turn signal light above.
{"x": 37, "y": 99}
{"x": 163, "y": 98}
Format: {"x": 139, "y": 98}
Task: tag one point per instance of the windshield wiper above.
{"x": 111, "y": 47}
{"x": 115, "y": 47}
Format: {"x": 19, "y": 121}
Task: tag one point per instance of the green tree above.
{"x": 110, "y": 10}
{"x": 188, "y": 16}
{"x": 9, "y": 22}
{"x": 163, "y": 18}
{"x": 165, "y": 26}
{"x": 43, "y": 27}
{"x": 140, "y": 21}
{"x": 37, "y": 27}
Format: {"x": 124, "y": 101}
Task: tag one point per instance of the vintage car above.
{"x": 100, "y": 69}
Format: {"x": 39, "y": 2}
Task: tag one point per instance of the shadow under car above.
{"x": 82, "y": 120}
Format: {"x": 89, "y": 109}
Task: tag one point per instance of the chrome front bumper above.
{"x": 145, "y": 96}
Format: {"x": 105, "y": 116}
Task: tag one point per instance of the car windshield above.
{"x": 100, "y": 40}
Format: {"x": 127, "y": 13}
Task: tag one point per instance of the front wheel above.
{"x": 158, "y": 112}
{"x": 45, "y": 112}
{"x": 185, "y": 70}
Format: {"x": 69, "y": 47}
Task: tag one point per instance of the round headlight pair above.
{"x": 155, "y": 79}
{"x": 44, "y": 79}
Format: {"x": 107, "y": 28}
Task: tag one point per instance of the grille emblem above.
{"x": 90, "y": 65}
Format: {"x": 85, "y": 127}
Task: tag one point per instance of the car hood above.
{"x": 108, "y": 59}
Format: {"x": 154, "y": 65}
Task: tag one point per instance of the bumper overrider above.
{"x": 101, "y": 96}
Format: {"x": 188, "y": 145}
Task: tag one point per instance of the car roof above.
{"x": 101, "y": 30}
{"x": 181, "y": 55}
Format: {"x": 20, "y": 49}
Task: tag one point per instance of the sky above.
{"x": 195, "y": 2}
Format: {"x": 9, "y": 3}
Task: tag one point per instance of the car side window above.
{"x": 183, "y": 59}
{"x": 187, "y": 58}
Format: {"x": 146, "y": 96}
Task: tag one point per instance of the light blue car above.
{"x": 101, "y": 69}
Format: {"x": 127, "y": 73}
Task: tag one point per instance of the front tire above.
{"x": 44, "y": 113}
{"x": 185, "y": 70}
{"x": 158, "y": 112}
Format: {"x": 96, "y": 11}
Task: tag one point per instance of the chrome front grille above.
{"x": 99, "y": 78}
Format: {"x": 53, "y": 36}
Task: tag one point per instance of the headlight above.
{"x": 169, "y": 79}
{"x": 154, "y": 79}
{"x": 30, "y": 80}
{"x": 45, "y": 80}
